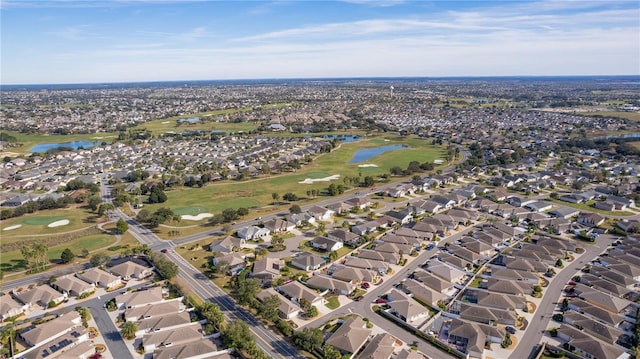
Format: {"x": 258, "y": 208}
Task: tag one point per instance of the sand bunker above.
{"x": 326, "y": 179}
{"x": 438, "y": 162}
{"x": 15, "y": 226}
{"x": 62, "y": 222}
{"x": 368, "y": 165}
{"x": 199, "y": 217}
{"x": 163, "y": 122}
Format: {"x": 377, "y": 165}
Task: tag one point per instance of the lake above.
{"x": 44, "y": 147}
{"x": 368, "y": 153}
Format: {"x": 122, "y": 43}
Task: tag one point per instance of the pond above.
{"x": 44, "y": 147}
{"x": 368, "y": 153}
{"x": 342, "y": 138}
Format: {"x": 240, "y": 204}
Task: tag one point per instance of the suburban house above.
{"x": 131, "y": 270}
{"x": 326, "y": 244}
{"x": 308, "y": 261}
{"x": 485, "y": 315}
{"x": 590, "y": 219}
{"x": 167, "y": 338}
{"x": 340, "y": 207}
{"x": 73, "y": 286}
{"x": 277, "y": 225}
{"x": 52, "y": 329}
{"x": 154, "y": 310}
{"x": 139, "y": 298}
{"x": 348, "y": 238}
{"x": 445, "y": 271}
{"x": 350, "y": 336}
{"x": 406, "y": 308}
{"x": 295, "y": 291}
{"x": 197, "y": 349}
{"x": 227, "y": 244}
{"x": 353, "y": 275}
{"x": 100, "y": 278}
{"x": 10, "y": 308}
{"x": 423, "y": 293}
{"x": 587, "y": 346}
{"x": 299, "y": 218}
{"x": 378, "y": 266}
{"x": 380, "y": 347}
{"x": 472, "y": 336}
{"x": 267, "y": 269}
{"x": 286, "y": 309}
{"x": 321, "y": 213}
{"x": 235, "y": 261}
{"x": 432, "y": 281}
{"x": 336, "y": 286}
{"x": 163, "y": 322}
{"x": 41, "y": 295}
{"x": 359, "y": 202}
{"x": 392, "y": 258}
{"x": 252, "y": 233}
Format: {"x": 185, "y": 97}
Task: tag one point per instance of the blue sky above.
{"x": 68, "y": 41}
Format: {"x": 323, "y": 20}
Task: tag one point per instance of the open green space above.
{"x": 633, "y": 116}
{"x": 27, "y": 141}
{"x": 37, "y": 223}
{"x": 333, "y": 303}
{"x": 14, "y": 261}
{"x": 587, "y": 207}
{"x": 192, "y": 210}
{"x": 207, "y": 121}
{"x": 254, "y": 193}
{"x": 40, "y": 220}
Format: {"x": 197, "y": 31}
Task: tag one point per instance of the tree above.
{"x": 40, "y": 251}
{"x": 102, "y": 210}
{"x": 269, "y": 308}
{"x": 27, "y": 254}
{"x": 238, "y": 336}
{"x": 229, "y": 214}
{"x": 276, "y": 197}
{"x": 121, "y": 226}
{"x": 213, "y": 314}
{"x": 99, "y": 259}
{"x": 291, "y": 197}
{"x": 94, "y": 202}
{"x": 166, "y": 268}
{"x": 246, "y": 288}
{"x": 67, "y": 255}
{"x": 242, "y": 211}
{"x": 329, "y": 352}
{"x": 84, "y": 253}
{"x": 295, "y": 209}
{"x": 129, "y": 330}
{"x": 333, "y": 256}
{"x": 312, "y": 312}
{"x": 304, "y": 303}
{"x": 308, "y": 338}
{"x": 277, "y": 243}
{"x": 368, "y": 181}
{"x": 396, "y": 171}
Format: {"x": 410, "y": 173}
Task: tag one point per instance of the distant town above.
{"x": 381, "y": 218}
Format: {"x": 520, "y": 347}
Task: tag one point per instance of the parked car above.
{"x": 381, "y": 301}
{"x": 365, "y": 285}
{"x": 164, "y": 250}
{"x": 359, "y": 298}
{"x": 510, "y": 329}
{"x": 431, "y": 246}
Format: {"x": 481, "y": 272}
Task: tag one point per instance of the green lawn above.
{"x": 258, "y": 192}
{"x": 13, "y": 260}
{"x": 192, "y": 210}
{"x": 37, "y": 223}
{"x": 333, "y": 303}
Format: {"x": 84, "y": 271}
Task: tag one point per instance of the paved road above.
{"x": 117, "y": 347}
{"x": 271, "y": 343}
{"x": 364, "y": 306}
{"x": 533, "y": 333}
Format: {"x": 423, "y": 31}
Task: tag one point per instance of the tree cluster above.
{"x": 35, "y": 255}
{"x": 165, "y": 267}
{"x": 161, "y": 215}
{"x": 39, "y": 205}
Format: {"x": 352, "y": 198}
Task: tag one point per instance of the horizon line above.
{"x": 317, "y": 79}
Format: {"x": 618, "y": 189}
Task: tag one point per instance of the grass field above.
{"x": 255, "y": 193}
{"x": 29, "y": 140}
{"x": 635, "y": 144}
{"x": 13, "y": 261}
{"x": 192, "y": 210}
{"x": 633, "y": 116}
{"x": 36, "y": 223}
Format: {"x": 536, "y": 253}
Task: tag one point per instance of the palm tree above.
{"x": 27, "y": 253}
{"x": 40, "y": 250}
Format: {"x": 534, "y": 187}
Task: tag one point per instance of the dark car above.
{"x": 381, "y": 301}
{"x": 431, "y": 246}
{"x": 164, "y": 250}
{"x": 365, "y": 285}
{"x": 359, "y": 298}
{"x": 510, "y": 330}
